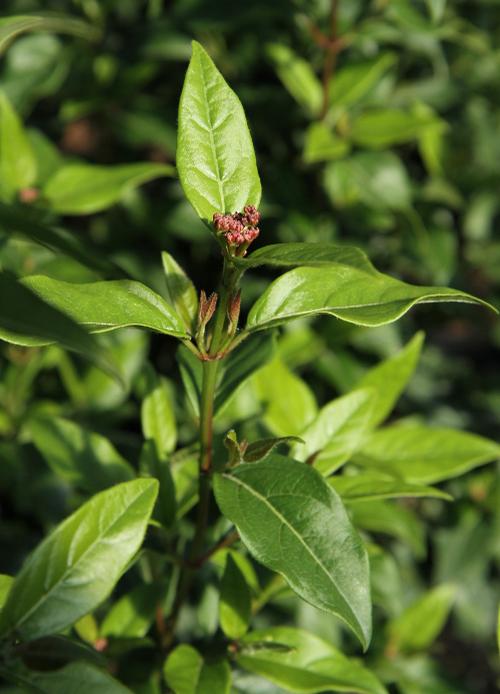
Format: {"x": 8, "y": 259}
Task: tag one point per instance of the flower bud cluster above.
{"x": 239, "y": 228}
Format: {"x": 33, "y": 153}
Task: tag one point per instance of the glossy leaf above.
{"x": 181, "y": 292}
{"x": 85, "y": 188}
{"x": 297, "y": 76}
{"x": 368, "y": 486}
{"x": 293, "y": 523}
{"x": 11, "y": 27}
{"x": 389, "y": 378}
{"x": 157, "y": 415}
{"x": 338, "y": 430}
{"x": 186, "y": 672}
{"x": 104, "y": 306}
{"x": 83, "y": 458}
{"x": 215, "y": 156}
{"x": 420, "y": 624}
{"x": 77, "y": 678}
{"x": 235, "y": 601}
{"x": 27, "y": 319}
{"x": 75, "y": 568}
{"x": 299, "y": 661}
{"x": 426, "y": 455}
{"x": 360, "y": 296}
{"x": 310, "y": 254}
{"x": 17, "y": 161}
{"x": 289, "y": 403}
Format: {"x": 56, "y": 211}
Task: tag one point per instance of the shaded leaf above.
{"x": 181, "y": 292}
{"x": 186, "y": 672}
{"x": 235, "y": 601}
{"x": 11, "y": 27}
{"x": 17, "y": 160}
{"x": 389, "y": 519}
{"x": 77, "y": 678}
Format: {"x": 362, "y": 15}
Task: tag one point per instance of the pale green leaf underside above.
{"x": 293, "y": 523}
{"x": 425, "y": 455}
{"x": 352, "y": 294}
{"x": 215, "y": 156}
{"x": 103, "y": 306}
{"x": 309, "y": 665}
{"x": 85, "y": 188}
{"x": 75, "y": 568}
{"x": 310, "y": 254}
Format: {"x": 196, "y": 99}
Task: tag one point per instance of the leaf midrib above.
{"x": 80, "y": 558}
{"x": 213, "y": 146}
{"x": 290, "y": 527}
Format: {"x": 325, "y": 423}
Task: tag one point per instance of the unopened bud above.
{"x": 233, "y": 309}
{"x": 206, "y": 307}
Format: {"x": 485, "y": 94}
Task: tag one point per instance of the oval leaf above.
{"x": 75, "y": 568}
{"x": 215, "y": 156}
{"x": 186, "y": 672}
{"x": 293, "y": 523}
{"x": 351, "y": 294}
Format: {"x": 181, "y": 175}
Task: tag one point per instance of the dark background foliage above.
{"x": 425, "y": 207}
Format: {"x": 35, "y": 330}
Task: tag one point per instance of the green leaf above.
{"x": 321, "y": 144}
{"x": 420, "y": 624}
{"x": 292, "y": 522}
{"x": 361, "y": 296}
{"x": 12, "y": 27}
{"x": 186, "y": 672}
{"x": 86, "y": 188}
{"x": 258, "y": 450}
{"x": 368, "y": 486}
{"x": 157, "y": 415}
{"x": 53, "y": 652}
{"x": 104, "y": 306}
{"x": 376, "y": 179}
{"x": 86, "y": 459}
{"x": 75, "y": 568}
{"x": 390, "y": 519}
{"x": 353, "y": 82}
{"x": 310, "y": 254}
{"x": 133, "y": 614}
{"x": 389, "y": 379}
{"x": 425, "y": 455}
{"x": 17, "y": 160}
{"x": 181, "y": 292}
{"x": 235, "y": 601}
{"x": 385, "y": 127}
{"x": 215, "y": 156}
{"x": 26, "y": 319}
{"x": 303, "y": 662}
{"x": 337, "y": 432}
{"x": 297, "y": 76}
{"x": 77, "y": 678}
{"x": 5, "y": 586}
{"x": 289, "y": 403}
{"x": 192, "y": 374}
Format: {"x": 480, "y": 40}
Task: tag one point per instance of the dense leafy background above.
{"x": 406, "y": 165}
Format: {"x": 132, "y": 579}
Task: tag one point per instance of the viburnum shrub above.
{"x": 255, "y": 520}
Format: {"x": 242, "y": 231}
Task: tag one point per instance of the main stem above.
{"x": 209, "y": 382}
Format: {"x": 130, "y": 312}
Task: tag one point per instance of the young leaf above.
{"x": 86, "y": 459}
{"x": 215, "y": 156}
{"x": 293, "y": 523}
{"x": 235, "y": 601}
{"x": 104, "y": 306}
{"x": 186, "y": 672}
{"x": 181, "y": 292}
{"x": 368, "y": 486}
{"x": 27, "y": 319}
{"x": 389, "y": 379}
{"x": 297, "y": 76}
{"x": 75, "y": 568}
{"x": 351, "y": 294}
{"x": 17, "y": 161}
{"x": 78, "y": 678}
{"x": 85, "y": 188}
{"x": 338, "y": 431}
{"x": 157, "y": 415}
{"x": 289, "y": 403}
{"x": 420, "y": 624}
{"x": 258, "y": 450}
{"x": 425, "y": 455}
{"x": 299, "y": 661}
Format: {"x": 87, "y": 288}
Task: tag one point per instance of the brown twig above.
{"x": 331, "y": 51}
